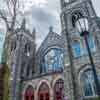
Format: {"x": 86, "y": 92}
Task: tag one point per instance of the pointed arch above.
{"x": 59, "y": 89}
{"x": 57, "y": 78}
{"x": 26, "y": 87}
{"x": 86, "y": 81}
{"x": 44, "y": 90}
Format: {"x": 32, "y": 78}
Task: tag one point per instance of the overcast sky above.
{"x": 96, "y": 4}
{"x": 47, "y": 14}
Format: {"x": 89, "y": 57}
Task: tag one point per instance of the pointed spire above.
{"x": 62, "y": 3}
{"x": 34, "y": 32}
{"x": 34, "y": 43}
{"x": 51, "y": 29}
{"x": 23, "y": 24}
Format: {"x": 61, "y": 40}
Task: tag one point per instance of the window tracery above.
{"x": 88, "y": 84}
{"x": 52, "y": 60}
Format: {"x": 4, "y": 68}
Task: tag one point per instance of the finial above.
{"x": 62, "y": 2}
{"x": 34, "y": 32}
{"x": 23, "y": 24}
{"x": 50, "y": 29}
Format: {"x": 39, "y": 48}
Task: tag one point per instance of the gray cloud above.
{"x": 96, "y": 4}
{"x": 43, "y": 18}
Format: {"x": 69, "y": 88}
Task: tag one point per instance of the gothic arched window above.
{"x": 91, "y": 42}
{"x": 43, "y": 93}
{"x": 13, "y": 45}
{"x": 87, "y": 82}
{"x": 22, "y": 68}
{"x": 76, "y": 48}
{"x": 27, "y": 49}
{"x": 29, "y": 94}
{"x": 28, "y": 69}
{"x": 59, "y": 90}
{"x": 52, "y": 60}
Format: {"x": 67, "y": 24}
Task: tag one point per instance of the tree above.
{"x": 12, "y": 16}
{"x": 10, "y": 12}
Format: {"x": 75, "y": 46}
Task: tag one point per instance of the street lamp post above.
{"x": 82, "y": 25}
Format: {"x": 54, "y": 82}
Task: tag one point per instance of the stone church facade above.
{"x": 60, "y": 69}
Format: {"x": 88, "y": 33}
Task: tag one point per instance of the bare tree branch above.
{"x": 5, "y": 19}
{"x": 7, "y": 3}
{"x": 14, "y": 11}
{"x": 12, "y": 14}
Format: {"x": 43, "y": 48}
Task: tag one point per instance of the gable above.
{"x": 52, "y": 39}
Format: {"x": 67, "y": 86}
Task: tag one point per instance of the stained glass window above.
{"x": 91, "y": 42}
{"x": 88, "y": 85}
{"x": 59, "y": 90}
{"x": 29, "y": 93}
{"x": 76, "y": 49}
{"x": 52, "y": 60}
{"x": 43, "y": 93}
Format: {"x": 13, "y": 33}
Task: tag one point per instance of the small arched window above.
{"x": 29, "y": 93}
{"x": 43, "y": 93}
{"x": 13, "y": 45}
{"x": 75, "y": 16}
{"x": 76, "y": 48}
{"x": 59, "y": 90}
{"x": 91, "y": 42}
{"x": 28, "y": 69}
{"x": 27, "y": 49}
{"x": 22, "y": 68}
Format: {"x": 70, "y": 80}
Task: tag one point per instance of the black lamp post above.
{"x": 83, "y": 26}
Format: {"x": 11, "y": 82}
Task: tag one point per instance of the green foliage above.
{"x": 95, "y": 98}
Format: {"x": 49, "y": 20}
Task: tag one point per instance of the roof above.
{"x": 51, "y": 39}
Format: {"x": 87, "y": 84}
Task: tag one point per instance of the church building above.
{"x": 60, "y": 69}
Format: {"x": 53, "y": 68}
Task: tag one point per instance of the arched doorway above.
{"x": 59, "y": 90}
{"x": 29, "y": 94}
{"x": 43, "y": 93}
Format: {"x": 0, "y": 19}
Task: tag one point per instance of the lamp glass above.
{"x": 87, "y": 24}
{"x": 82, "y": 25}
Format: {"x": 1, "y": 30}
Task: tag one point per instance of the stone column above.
{"x": 68, "y": 86}
{"x": 17, "y": 83}
{"x": 51, "y": 94}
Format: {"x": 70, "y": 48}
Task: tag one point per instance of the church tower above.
{"x": 21, "y": 57}
{"x": 80, "y": 67}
